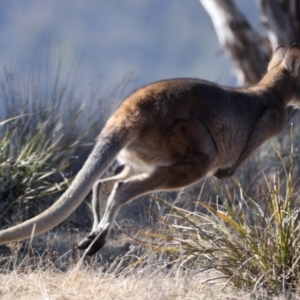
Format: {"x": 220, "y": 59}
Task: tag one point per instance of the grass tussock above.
{"x": 41, "y": 135}
{"x": 32, "y": 162}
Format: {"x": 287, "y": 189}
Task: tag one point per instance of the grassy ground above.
{"x": 51, "y": 268}
{"x": 39, "y": 278}
{"x": 87, "y": 284}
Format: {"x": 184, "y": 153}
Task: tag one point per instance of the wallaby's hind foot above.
{"x": 93, "y": 242}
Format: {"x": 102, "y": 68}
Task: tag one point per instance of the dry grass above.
{"x": 118, "y": 271}
{"x": 85, "y": 283}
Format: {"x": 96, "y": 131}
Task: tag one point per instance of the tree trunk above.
{"x": 249, "y": 51}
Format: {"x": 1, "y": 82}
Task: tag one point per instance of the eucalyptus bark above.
{"x": 249, "y": 50}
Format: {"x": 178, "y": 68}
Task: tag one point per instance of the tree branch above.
{"x": 281, "y": 19}
{"x": 248, "y": 50}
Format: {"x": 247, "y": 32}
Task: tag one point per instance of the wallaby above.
{"x": 170, "y": 134}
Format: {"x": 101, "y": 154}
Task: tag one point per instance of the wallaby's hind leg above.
{"x": 163, "y": 178}
{"x": 101, "y": 191}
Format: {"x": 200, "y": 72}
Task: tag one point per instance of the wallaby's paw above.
{"x": 223, "y": 173}
{"x": 93, "y": 242}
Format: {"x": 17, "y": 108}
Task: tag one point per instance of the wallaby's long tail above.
{"x": 103, "y": 154}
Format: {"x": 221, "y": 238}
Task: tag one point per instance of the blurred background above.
{"x": 106, "y": 41}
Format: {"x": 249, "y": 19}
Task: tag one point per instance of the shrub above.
{"x": 39, "y": 136}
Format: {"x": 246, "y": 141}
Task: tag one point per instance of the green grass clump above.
{"x": 31, "y": 161}
{"x": 40, "y": 135}
{"x": 256, "y": 246}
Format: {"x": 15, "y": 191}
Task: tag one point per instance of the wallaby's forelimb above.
{"x": 267, "y": 125}
{"x": 291, "y": 111}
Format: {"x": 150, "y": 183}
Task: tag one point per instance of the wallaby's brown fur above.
{"x": 171, "y": 134}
